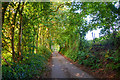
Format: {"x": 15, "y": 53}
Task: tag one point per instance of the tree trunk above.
{"x": 12, "y": 42}
{"x": 37, "y": 41}
{"x": 20, "y": 36}
{"x": 12, "y": 30}
{"x": 33, "y": 43}
{"x": 0, "y": 38}
{"x": 20, "y": 39}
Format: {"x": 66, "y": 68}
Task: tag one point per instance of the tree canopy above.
{"x": 31, "y": 28}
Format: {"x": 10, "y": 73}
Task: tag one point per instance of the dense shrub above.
{"x": 85, "y": 58}
{"x": 103, "y": 53}
{"x": 31, "y": 66}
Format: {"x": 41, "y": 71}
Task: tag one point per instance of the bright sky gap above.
{"x": 97, "y": 31}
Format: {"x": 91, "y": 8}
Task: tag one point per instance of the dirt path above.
{"x": 62, "y": 68}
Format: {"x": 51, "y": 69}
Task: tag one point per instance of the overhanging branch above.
{"x": 57, "y": 8}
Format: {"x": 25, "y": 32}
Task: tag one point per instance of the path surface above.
{"x": 62, "y": 68}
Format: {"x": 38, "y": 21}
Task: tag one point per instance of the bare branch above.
{"x": 57, "y": 8}
{"x": 8, "y": 63}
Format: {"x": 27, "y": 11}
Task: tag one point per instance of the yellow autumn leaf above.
{"x": 106, "y": 56}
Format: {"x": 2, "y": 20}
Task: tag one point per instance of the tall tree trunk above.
{"x": 33, "y": 43}
{"x": 0, "y": 38}
{"x": 20, "y": 35}
{"x": 12, "y": 42}
{"x": 33, "y": 47}
{"x": 12, "y": 30}
{"x": 37, "y": 41}
{"x": 20, "y": 39}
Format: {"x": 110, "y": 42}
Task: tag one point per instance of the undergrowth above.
{"x": 32, "y": 65}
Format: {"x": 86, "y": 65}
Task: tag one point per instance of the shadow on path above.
{"x": 62, "y": 68}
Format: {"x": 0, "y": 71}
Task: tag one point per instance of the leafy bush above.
{"x": 32, "y": 65}
{"x": 87, "y": 59}
{"x": 8, "y": 57}
{"x": 62, "y": 50}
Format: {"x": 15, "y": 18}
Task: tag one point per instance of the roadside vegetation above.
{"x": 30, "y": 29}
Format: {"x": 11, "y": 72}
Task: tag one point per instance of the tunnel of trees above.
{"x": 29, "y": 29}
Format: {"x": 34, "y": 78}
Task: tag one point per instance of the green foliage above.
{"x": 43, "y": 24}
{"x": 31, "y": 66}
{"x": 62, "y": 50}
{"x": 8, "y": 57}
{"x": 84, "y": 58}
{"x": 87, "y": 59}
